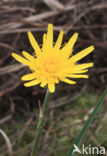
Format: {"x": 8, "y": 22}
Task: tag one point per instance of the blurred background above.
{"x": 70, "y": 105}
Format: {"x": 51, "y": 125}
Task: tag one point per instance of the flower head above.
{"x": 51, "y": 63}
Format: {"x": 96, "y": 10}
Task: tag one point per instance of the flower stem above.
{"x": 40, "y": 123}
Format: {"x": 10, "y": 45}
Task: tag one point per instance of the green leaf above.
{"x": 87, "y": 124}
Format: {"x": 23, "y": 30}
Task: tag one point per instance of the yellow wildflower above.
{"x": 51, "y": 63}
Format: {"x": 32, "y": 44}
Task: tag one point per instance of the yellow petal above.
{"x": 59, "y": 40}
{"x": 28, "y": 77}
{"x": 28, "y": 56}
{"x": 43, "y": 84}
{"x": 34, "y": 44}
{"x": 68, "y": 81}
{"x": 82, "y": 66}
{"x": 44, "y": 46}
{"x": 20, "y": 59}
{"x": 67, "y": 50}
{"x": 32, "y": 83}
{"x": 77, "y": 71}
{"x": 51, "y": 87}
{"x": 82, "y": 54}
{"x": 78, "y": 76}
{"x": 50, "y": 35}
{"x": 56, "y": 81}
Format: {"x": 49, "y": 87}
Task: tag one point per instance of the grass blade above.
{"x": 88, "y": 123}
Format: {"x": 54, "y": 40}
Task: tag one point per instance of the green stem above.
{"x": 40, "y": 123}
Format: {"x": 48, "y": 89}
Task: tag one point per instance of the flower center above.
{"x": 51, "y": 67}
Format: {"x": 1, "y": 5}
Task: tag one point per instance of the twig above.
{"x": 35, "y": 18}
{"x": 65, "y": 100}
{"x": 9, "y": 145}
{"x": 11, "y": 68}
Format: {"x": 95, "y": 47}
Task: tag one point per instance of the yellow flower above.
{"x": 51, "y": 63}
